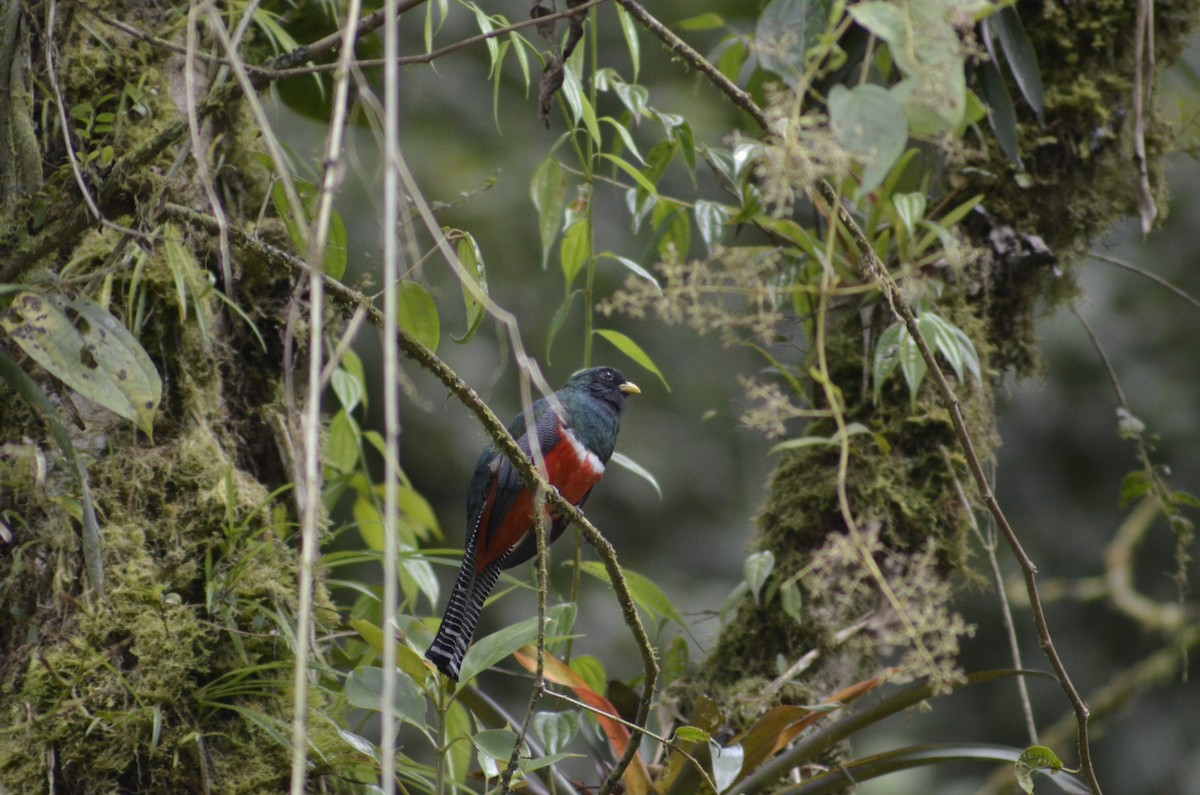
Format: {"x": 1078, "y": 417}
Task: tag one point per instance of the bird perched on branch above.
{"x": 575, "y": 430}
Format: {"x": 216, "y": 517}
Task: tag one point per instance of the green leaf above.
{"x": 24, "y": 386}
{"x": 548, "y": 189}
{"x": 634, "y": 351}
{"x": 940, "y": 336}
{"x": 1002, "y": 116}
{"x": 340, "y": 453}
{"x": 711, "y": 218}
{"x": 622, "y": 460}
{"x": 645, "y": 593}
{"x": 675, "y": 659}
{"x": 706, "y": 21}
{"x": 369, "y": 522}
{"x": 495, "y": 747}
{"x": 417, "y": 314}
{"x": 1021, "y": 58}
{"x": 910, "y": 207}
{"x": 757, "y": 569}
{"x": 350, "y": 382}
{"x": 833, "y": 440}
{"x": 691, "y": 734}
{"x": 630, "y": 31}
{"x": 637, "y": 176}
{"x": 591, "y": 671}
{"x": 90, "y": 351}
{"x": 790, "y": 599}
{"x": 633, "y": 268}
{"x": 364, "y": 690}
{"x": 555, "y": 729}
{"x": 883, "y": 19}
{"x": 575, "y": 250}
{"x": 869, "y": 123}
{"x": 786, "y": 30}
{"x": 626, "y": 139}
{"x": 336, "y": 255}
{"x": 1036, "y": 757}
{"x": 912, "y": 365}
{"x": 560, "y": 317}
{"x": 493, "y": 648}
{"x": 458, "y": 754}
{"x": 572, "y": 91}
{"x": 670, "y": 218}
{"x": 887, "y": 356}
{"x": 472, "y": 260}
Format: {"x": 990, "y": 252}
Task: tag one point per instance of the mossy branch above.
{"x": 348, "y": 300}
{"x": 874, "y": 271}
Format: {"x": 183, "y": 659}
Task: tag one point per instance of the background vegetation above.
{"x": 803, "y": 523}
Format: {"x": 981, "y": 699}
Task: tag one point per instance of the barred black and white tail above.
{"x": 471, "y": 589}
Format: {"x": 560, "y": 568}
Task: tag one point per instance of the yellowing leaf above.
{"x": 90, "y": 351}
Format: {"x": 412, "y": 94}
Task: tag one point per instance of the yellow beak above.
{"x": 630, "y": 388}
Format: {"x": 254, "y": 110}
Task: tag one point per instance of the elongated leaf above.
{"x": 89, "y": 350}
{"x": 887, "y": 356}
{"x": 417, "y": 314}
{"x": 622, "y": 460}
{"x": 630, "y": 31}
{"x": 1021, "y": 57}
{"x": 458, "y": 754}
{"x": 634, "y": 351}
{"x": 710, "y": 222}
{"x": 859, "y": 770}
{"x": 364, "y": 689}
{"x": 1001, "y": 115}
{"x": 912, "y": 364}
{"x": 472, "y": 259}
{"x": 491, "y": 649}
{"x": 643, "y": 590}
{"x": 633, "y": 268}
{"x": 548, "y": 189}
{"x": 637, "y": 176}
{"x": 24, "y": 386}
{"x": 938, "y": 334}
{"x": 575, "y": 250}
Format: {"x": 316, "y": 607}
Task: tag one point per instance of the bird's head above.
{"x": 603, "y": 383}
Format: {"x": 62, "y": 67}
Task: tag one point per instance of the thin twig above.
{"x": 988, "y": 542}
{"x": 392, "y": 253}
{"x": 1160, "y": 281}
{"x": 311, "y": 426}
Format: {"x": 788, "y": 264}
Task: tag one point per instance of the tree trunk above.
{"x": 174, "y": 674}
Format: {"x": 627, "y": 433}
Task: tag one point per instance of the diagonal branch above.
{"x": 349, "y": 300}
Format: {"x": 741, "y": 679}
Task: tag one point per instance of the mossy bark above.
{"x": 1080, "y": 176}
{"x": 171, "y": 677}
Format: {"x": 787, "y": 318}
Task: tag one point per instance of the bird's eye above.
{"x": 608, "y": 376}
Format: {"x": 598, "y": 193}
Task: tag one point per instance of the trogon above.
{"x": 575, "y": 431}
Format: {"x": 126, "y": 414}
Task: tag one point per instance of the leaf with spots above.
{"x": 90, "y": 351}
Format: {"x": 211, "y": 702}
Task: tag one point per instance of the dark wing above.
{"x": 497, "y": 485}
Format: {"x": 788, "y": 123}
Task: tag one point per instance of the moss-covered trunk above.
{"x": 174, "y": 675}
{"x": 1080, "y": 174}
